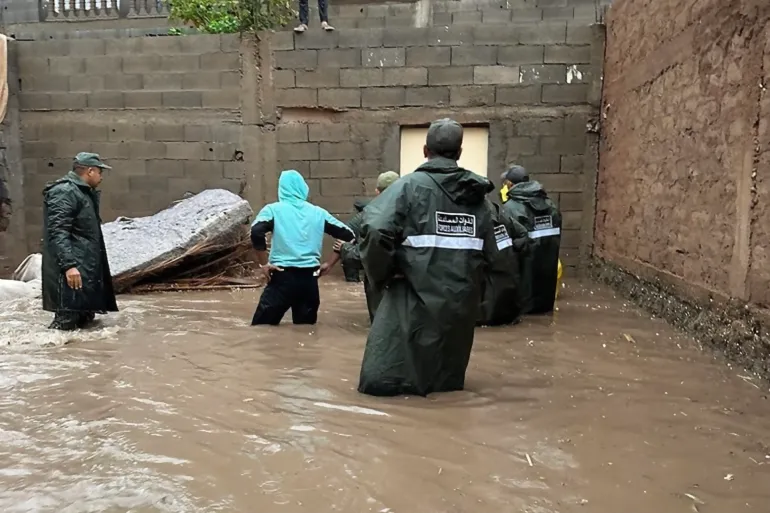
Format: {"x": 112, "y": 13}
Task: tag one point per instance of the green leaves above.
{"x": 229, "y": 16}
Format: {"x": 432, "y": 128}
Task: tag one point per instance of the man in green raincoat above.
{"x": 349, "y": 252}
{"x": 77, "y": 283}
{"x": 425, "y": 242}
{"x": 528, "y": 203}
{"x": 501, "y": 296}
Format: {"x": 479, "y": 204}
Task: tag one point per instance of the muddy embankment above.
{"x": 734, "y": 329}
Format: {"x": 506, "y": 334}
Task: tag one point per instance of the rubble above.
{"x": 13, "y": 289}
{"x": 30, "y": 269}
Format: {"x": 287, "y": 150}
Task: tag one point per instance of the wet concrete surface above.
{"x": 177, "y": 405}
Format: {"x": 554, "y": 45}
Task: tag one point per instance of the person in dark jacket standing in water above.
{"x": 349, "y": 252}
{"x": 425, "y": 242}
{"x": 351, "y": 268}
{"x": 528, "y": 203}
{"x": 292, "y": 270}
{"x": 77, "y": 283}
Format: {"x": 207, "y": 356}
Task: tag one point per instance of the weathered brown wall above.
{"x": 682, "y": 188}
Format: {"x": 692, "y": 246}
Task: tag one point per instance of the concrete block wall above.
{"x": 163, "y": 111}
{"x": 344, "y": 96}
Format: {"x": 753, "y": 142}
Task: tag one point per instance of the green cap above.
{"x": 91, "y": 160}
{"x": 386, "y": 179}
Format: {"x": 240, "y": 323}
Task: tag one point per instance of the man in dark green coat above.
{"x": 349, "y": 251}
{"x": 501, "y": 296}
{"x": 528, "y": 203}
{"x": 350, "y": 268}
{"x": 77, "y": 283}
{"x": 425, "y": 242}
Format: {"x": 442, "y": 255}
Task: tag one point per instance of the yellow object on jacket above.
{"x": 504, "y": 193}
{"x": 558, "y": 279}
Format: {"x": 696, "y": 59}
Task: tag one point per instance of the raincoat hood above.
{"x": 463, "y": 186}
{"x": 531, "y": 194}
{"x": 71, "y": 177}
{"x": 360, "y": 204}
{"x": 292, "y": 187}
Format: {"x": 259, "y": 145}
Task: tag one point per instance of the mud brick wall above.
{"x": 163, "y": 111}
{"x": 343, "y": 98}
{"x": 684, "y": 181}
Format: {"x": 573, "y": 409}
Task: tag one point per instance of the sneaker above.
{"x": 299, "y": 29}
{"x": 326, "y": 26}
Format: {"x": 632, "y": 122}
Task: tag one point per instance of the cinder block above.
{"x": 578, "y": 33}
{"x": 197, "y": 133}
{"x": 471, "y": 96}
{"x": 31, "y": 66}
{"x": 229, "y": 42}
{"x": 361, "y": 38}
{"x": 558, "y": 13}
{"x": 106, "y": 65}
{"x": 570, "y": 201}
{"x": 543, "y": 74}
{"x": 544, "y": 33}
{"x": 227, "y": 132}
{"x": 221, "y": 152}
{"x": 586, "y": 13}
{"x": 363, "y": 132}
{"x": 572, "y": 164}
{"x": 300, "y": 166}
{"x": 86, "y": 47}
{"x": 560, "y": 182}
{"x": 220, "y": 61}
{"x": 495, "y": 34}
{"x": 223, "y": 99}
{"x": 165, "y": 167}
{"x": 383, "y": 57}
{"x": 340, "y": 206}
{"x": 405, "y": 76}
{"x": 164, "y": 44}
{"x": 493, "y": 16}
{"x": 177, "y": 187}
{"x": 68, "y": 149}
{"x": 575, "y": 125}
{"x": 342, "y": 187}
{"x": 322, "y": 77}
{"x": 38, "y": 149}
{"x": 331, "y": 169}
{"x": 112, "y": 150}
{"x": 141, "y": 64}
{"x": 473, "y": 55}
{"x": 86, "y": 83}
{"x": 143, "y": 100}
{"x": 536, "y": 164}
{"x": 66, "y": 65}
{"x": 339, "y": 150}
{"x": 368, "y": 169}
{"x": 297, "y": 97}
{"x": 53, "y": 131}
{"x": 383, "y": 97}
{"x": 517, "y": 95}
{"x": 121, "y": 82}
{"x": 164, "y": 133}
{"x": 283, "y": 40}
{"x": 450, "y": 75}
{"x": 201, "y": 80}
{"x": 46, "y": 83}
{"x": 145, "y": 150}
{"x": 200, "y": 43}
{"x": 316, "y": 39}
{"x": 178, "y": 63}
{"x": 371, "y": 23}
{"x": 526, "y": 14}
{"x": 406, "y": 36}
{"x": 427, "y": 96}
{"x": 122, "y": 132}
{"x": 506, "y": 75}
{"x": 55, "y": 48}
{"x": 562, "y": 145}
{"x": 283, "y": 78}
{"x": 34, "y": 101}
{"x": 339, "y": 98}
{"x": 296, "y": 59}
{"x": 124, "y": 46}
{"x": 298, "y": 151}
{"x": 568, "y": 54}
{"x": 518, "y": 146}
{"x": 552, "y": 3}
{"x": 428, "y": 56}
{"x": 230, "y": 79}
{"x": 376, "y": 11}
{"x": 538, "y": 126}
{"x": 466, "y": 17}
{"x": 339, "y": 58}
{"x": 292, "y": 132}
{"x": 332, "y": 132}
{"x": 454, "y": 35}
{"x": 235, "y": 170}
{"x": 130, "y": 169}
{"x": 442, "y": 18}
{"x": 144, "y": 183}
{"x": 185, "y": 150}
{"x": 565, "y": 93}
{"x": 106, "y": 100}
{"x": 182, "y": 99}
{"x": 366, "y": 77}
{"x": 520, "y": 54}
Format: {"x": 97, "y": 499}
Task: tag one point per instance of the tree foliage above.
{"x": 228, "y": 16}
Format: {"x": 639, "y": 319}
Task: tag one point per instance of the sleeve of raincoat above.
{"x": 262, "y": 225}
{"x": 349, "y": 251}
{"x": 62, "y": 207}
{"x": 382, "y": 232}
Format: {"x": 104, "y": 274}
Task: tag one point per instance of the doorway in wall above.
{"x": 473, "y": 158}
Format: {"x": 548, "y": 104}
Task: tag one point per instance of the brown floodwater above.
{"x": 177, "y": 405}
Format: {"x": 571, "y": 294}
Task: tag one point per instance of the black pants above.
{"x": 294, "y": 288}
{"x": 322, "y": 11}
{"x": 68, "y": 321}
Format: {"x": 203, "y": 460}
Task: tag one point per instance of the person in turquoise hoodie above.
{"x": 293, "y": 266}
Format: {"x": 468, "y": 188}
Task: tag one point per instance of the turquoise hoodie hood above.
{"x": 298, "y": 226}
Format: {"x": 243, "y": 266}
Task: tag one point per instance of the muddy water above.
{"x": 175, "y": 405}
